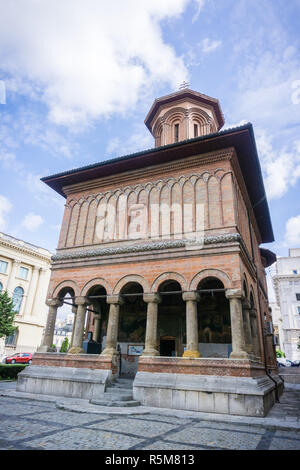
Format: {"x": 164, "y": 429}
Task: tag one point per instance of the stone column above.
{"x": 246, "y": 305}
{"x": 47, "y": 341}
{"x": 77, "y": 348}
{"x": 12, "y": 276}
{"x": 113, "y": 323}
{"x": 32, "y": 291}
{"x": 97, "y": 327}
{"x": 192, "y": 340}
{"x": 152, "y": 301}
{"x": 254, "y": 329}
{"x": 74, "y": 310}
{"x": 237, "y": 327}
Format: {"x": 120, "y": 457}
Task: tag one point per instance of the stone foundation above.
{"x": 229, "y": 386}
{"x": 77, "y": 376}
{"x": 244, "y": 396}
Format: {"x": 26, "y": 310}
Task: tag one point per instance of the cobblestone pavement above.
{"x": 28, "y": 424}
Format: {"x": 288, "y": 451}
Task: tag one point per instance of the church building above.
{"x": 159, "y": 254}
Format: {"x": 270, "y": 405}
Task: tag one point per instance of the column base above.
{"x": 191, "y": 354}
{"x": 109, "y": 352}
{"x": 239, "y": 355}
{"x": 150, "y": 352}
{"x": 75, "y": 350}
{"x": 44, "y": 349}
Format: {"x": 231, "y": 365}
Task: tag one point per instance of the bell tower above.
{"x": 183, "y": 115}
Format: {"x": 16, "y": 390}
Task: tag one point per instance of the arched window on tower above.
{"x": 17, "y": 298}
{"x": 176, "y": 132}
{"x": 196, "y": 130}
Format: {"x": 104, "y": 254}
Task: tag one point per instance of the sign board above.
{"x": 135, "y": 350}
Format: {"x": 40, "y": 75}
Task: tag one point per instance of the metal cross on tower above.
{"x": 183, "y": 85}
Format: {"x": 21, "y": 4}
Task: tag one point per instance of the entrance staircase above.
{"x": 118, "y": 393}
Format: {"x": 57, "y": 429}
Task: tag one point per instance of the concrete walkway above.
{"x": 284, "y": 415}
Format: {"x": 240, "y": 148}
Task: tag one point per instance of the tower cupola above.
{"x": 183, "y": 115}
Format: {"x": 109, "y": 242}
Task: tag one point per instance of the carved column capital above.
{"x": 191, "y": 296}
{"x": 155, "y": 298}
{"x": 81, "y": 300}
{"x": 234, "y": 294}
{"x": 54, "y": 302}
{"x": 115, "y": 299}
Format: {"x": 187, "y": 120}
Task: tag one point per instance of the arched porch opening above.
{"x": 65, "y": 320}
{"x": 213, "y": 319}
{"x": 132, "y": 327}
{"x": 97, "y": 315}
{"x": 171, "y": 325}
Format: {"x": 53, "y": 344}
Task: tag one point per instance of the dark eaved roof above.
{"x": 241, "y": 138}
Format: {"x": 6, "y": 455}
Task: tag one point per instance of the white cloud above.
{"x": 32, "y": 221}
{"x": 5, "y": 206}
{"x": 199, "y": 6}
{"x": 88, "y": 59}
{"x": 292, "y": 231}
{"x": 140, "y": 139}
{"x": 209, "y": 45}
{"x": 281, "y": 167}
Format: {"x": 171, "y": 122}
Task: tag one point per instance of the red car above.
{"x": 19, "y": 358}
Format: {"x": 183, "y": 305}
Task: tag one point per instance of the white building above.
{"x": 287, "y": 289}
{"x": 25, "y": 274}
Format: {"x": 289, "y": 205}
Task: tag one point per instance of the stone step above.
{"x": 114, "y": 402}
{"x": 117, "y": 396}
{"x": 120, "y": 386}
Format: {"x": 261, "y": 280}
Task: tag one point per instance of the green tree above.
{"x": 64, "y": 345}
{"x": 280, "y": 353}
{"x": 7, "y": 315}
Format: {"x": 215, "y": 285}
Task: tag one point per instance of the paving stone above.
{"x": 30, "y": 424}
{"x": 136, "y": 427}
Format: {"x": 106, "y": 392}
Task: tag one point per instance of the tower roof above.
{"x": 185, "y": 93}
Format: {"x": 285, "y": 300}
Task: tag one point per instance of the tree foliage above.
{"x": 64, "y": 345}
{"x": 7, "y": 315}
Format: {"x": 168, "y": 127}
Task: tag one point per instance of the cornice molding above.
{"x": 154, "y": 246}
{"x": 23, "y": 249}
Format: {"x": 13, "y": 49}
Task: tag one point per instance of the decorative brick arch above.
{"x": 245, "y": 280}
{"x": 98, "y": 281}
{"x": 63, "y": 285}
{"x": 169, "y": 277}
{"x": 223, "y": 277}
{"x": 131, "y": 278}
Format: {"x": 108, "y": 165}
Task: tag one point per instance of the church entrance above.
{"x": 171, "y": 320}
{"x": 167, "y": 347}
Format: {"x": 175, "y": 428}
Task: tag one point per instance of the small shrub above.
{"x": 11, "y": 371}
{"x": 64, "y": 346}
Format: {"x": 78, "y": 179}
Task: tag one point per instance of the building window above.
{"x": 298, "y": 297}
{"x": 17, "y": 298}
{"x": 176, "y": 132}
{"x": 299, "y": 310}
{"x": 195, "y": 130}
{"x": 1, "y": 286}
{"x": 11, "y": 340}
{"x": 3, "y": 267}
{"x": 23, "y": 272}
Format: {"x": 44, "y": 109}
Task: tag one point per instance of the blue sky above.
{"x": 77, "y": 79}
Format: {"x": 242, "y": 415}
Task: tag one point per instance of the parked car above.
{"x": 283, "y": 362}
{"x": 19, "y": 358}
{"x": 296, "y": 363}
